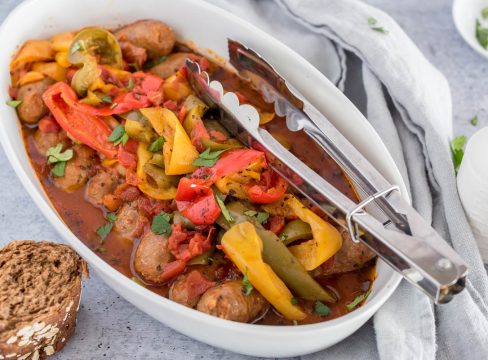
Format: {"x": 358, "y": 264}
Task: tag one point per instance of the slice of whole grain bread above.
{"x": 40, "y": 287}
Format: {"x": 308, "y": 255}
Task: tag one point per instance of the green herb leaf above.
{"x": 107, "y": 99}
{"x": 246, "y": 285}
{"x": 14, "y": 103}
{"x": 294, "y": 301}
{"x": 359, "y": 299}
{"x": 474, "y": 120}
{"x": 135, "y": 66}
{"x": 119, "y": 135}
{"x": 250, "y": 213}
{"x": 55, "y": 154}
{"x": 104, "y": 230}
{"x": 154, "y": 62}
{"x": 481, "y": 35}
{"x": 262, "y": 217}
{"x": 457, "y": 149}
{"x": 224, "y": 209}
{"x": 161, "y": 224}
{"x": 207, "y": 158}
{"x": 484, "y": 12}
{"x": 321, "y": 309}
{"x": 157, "y": 144}
{"x": 111, "y": 217}
{"x": 130, "y": 85}
{"x": 372, "y": 24}
{"x": 283, "y": 237}
{"x": 59, "y": 168}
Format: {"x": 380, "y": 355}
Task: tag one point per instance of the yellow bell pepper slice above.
{"x": 176, "y": 88}
{"x": 50, "y": 69}
{"x": 62, "y": 59}
{"x": 33, "y": 50}
{"x": 30, "y": 77}
{"x": 244, "y": 247}
{"x": 326, "y": 242}
{"x": 62, "y": 42}
{"x": 239, "y": 182}
{"x": 179, "y": 153}
{"x": 154, "y": 191}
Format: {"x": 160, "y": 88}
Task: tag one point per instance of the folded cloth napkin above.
{"x": 409, "y": 103}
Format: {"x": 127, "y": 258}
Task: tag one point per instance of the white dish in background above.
{"x": 43, "y": 18}
{"x": 465, "y": 13}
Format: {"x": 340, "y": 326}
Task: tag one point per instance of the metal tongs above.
{"x": 390, "y": 226}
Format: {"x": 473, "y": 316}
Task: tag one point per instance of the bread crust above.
{"x": 44, "y": 334}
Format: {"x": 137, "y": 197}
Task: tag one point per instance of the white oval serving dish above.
{"x": 208, "y": 27}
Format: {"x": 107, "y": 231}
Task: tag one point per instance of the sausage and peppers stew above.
{"x": 143, "y": 173}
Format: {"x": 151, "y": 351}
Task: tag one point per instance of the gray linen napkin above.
{"x": 409, "y": 103}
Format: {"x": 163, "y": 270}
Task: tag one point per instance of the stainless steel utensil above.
{"x": 393, "y": 229}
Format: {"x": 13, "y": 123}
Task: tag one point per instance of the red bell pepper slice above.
{"x": 271, "y": 187}
{"x": 87, "y": 129}
{"x": 196, "y": 201}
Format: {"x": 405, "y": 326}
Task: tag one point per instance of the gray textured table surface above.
{"x": 108, "y": 326}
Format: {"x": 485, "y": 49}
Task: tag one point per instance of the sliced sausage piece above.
{"x": 78, "y": 169}
{"x": 188, "y": 288}
{"x": 171, "y": 65}
{"x": 103, "y": 183}
{"x": 32, "y": 108}
{"x": 129, "y": 223}
{"x": 151, "y": 254}
{"x": 44, "y": 141}
{"x": 153, "y": 35}
{"x": 350, "y": 257}
{"x": 227, "y": 301}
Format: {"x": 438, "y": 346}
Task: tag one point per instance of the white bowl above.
{"x": 465, "y": 13}
{"x": 209, "y": 27}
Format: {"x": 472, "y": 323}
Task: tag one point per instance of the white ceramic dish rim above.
{"x": 378, "y": 297}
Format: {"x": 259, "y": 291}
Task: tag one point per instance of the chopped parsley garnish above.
{"x": 373, "y": 24}
{"x": 154, "y": 62}
{"x": 119, "y": 136}
{"x": 107, "y": 99}
{"x": 161, "y": 224}
{"x": 481, "y": 35}
{"x": 105, "y": 229}
{"x": 156, "y": 145}
{"x": 59, "y": 158}
{"x": 474, "y": 120}
{"x": 250, "y": 213}
{"x": 262, "y": 217}
{"x": 457, "y": 149}
{"x": 14, "y": 103}
{"x": 359, "y": 299}
{"x": 321, "y": 309}
{"x": 283, "y": 237}
{"x": 130, "y": 84}
{"x": 135, "y": 66}
{"x": 224, "y": 209}
{"x": 294, "y": 301}
{"x": 246, "y": 285}
{"x": 484, "y": 12}
{"x": 207, "y": 158}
